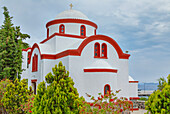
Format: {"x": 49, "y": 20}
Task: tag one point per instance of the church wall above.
{"x": 133, "y": 89}
{"x": 94, "y": 82}
{"x": 50, "y": 63}
{"x": 24, "y": 64}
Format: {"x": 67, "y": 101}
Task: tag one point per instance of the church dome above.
{"x": 71, "y": 14}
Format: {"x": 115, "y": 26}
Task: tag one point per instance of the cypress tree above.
{"x": 11, "y": 45}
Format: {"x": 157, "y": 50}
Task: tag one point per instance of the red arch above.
{"x": 33, "y": 47}
{"x": 77, "y": 52}
{"x": 107, "y": 39}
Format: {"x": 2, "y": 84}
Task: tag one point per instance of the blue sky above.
{"x": 140, "y": 26}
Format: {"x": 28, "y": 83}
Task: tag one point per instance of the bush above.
{"x": 60, "y": 96}
{"x": 3, "y": 84}
{"x": 104, "y": 104}
{"x": 159, "y": 101}
{"x": 16, "y": 95}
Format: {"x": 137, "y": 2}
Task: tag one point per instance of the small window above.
{"x": 104, "y": 50}
{"x": 62, "y": 29}
{"x": 82, "y": 30}
{"x": 96, "y": 49}
{"x": 28, "y": 59}
{"x": 35, "y": 63}
{"x": 106, "y": 89}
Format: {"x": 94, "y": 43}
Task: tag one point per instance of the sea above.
{"x": 147, "y": 87}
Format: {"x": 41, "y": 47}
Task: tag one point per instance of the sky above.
{"x": 141, "y": 27}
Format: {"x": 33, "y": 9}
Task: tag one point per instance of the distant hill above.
{"x": 148, "y": 86}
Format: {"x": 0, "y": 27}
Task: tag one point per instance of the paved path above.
{"x": 140, "y": 111}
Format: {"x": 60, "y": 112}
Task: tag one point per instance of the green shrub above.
{"x": 16, "y": 94}
{"x": 159, "y": 101}
{"x": 60, "y": 96}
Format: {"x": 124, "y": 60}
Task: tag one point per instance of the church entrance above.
{"x": 33, "y": 85}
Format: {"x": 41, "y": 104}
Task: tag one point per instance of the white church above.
{"x": 96, "y": 62}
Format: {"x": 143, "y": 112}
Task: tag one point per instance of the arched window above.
{"x": 82, "y": 30}
{"x": 96, "y": 49}
{"x": 104, "y": 50}
{"x": 106, "y": 89}
{"x": 35, "y": 63}
{"x": 62, "y": 29}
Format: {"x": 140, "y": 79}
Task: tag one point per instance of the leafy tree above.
{"x": 60, "y": 96}
{"x": 16, "y": 95}
{"x": 3, "y": 84}
{"x": 159, "y": 101}
{"x": 162, "y": 82}
{"x": 11, "y": 45}
{"x": 106, "y": 104}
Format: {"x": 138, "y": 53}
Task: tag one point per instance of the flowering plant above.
{"x": 105, "y": 104}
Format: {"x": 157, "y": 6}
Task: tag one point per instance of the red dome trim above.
{"x": 81, "y": 21}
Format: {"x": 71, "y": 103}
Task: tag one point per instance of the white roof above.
{"x": 71, "y": 14}
{"x": 130, "y": 78}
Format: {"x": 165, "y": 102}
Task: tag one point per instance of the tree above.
{"x": 159, "y": 101}
{"x": 16, "y": 95}
{"x": 106, "y": 104}
{"x": 11, "y": 45}
{"x": 60, "y": 96}
{"x": 162, "y": 82}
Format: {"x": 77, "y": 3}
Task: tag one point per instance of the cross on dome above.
{"x": 71, "y": 5}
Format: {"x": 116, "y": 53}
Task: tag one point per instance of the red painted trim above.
{"x": 47, "y": 32}
{"x": 101, "y": 70}
{"x": 105, "y": 87}
{"x": 61, "y": 34}
{"x": 84, "y": 31}
{"x": 95, "y": 32}
{"x": 134, "y": 109}
{"x": 60, "y": 29}
{"x": 134, "y": 98}
{"x": 133, "y": 81}
{"x": 81, "y": 21}
{"x": 34, "y": 80}
{"x": 26, "y": 49}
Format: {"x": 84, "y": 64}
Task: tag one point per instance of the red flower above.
{"x": 99, "y": 98}
{"x": 102, "y": 96}
{"x": 91, "y": 104}
{"x": 121, "y": 110}
{"x": 111, "y": 100}
{"x": 30, "y": 111}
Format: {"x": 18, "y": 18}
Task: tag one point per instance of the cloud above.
{"x": 140, "y": 26}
